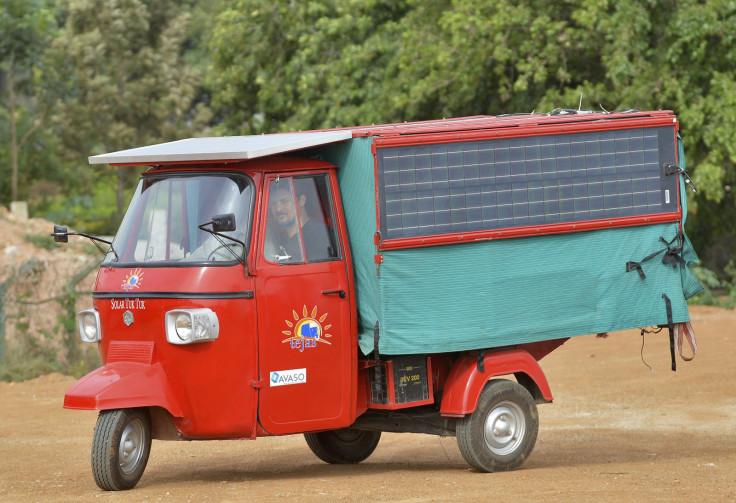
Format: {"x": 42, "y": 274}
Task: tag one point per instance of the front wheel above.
{"x": 345, "y": 446}
{"x": 120, "y": 448}
{"x": 502, "y": 431}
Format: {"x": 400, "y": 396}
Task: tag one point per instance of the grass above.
{"x": 27, "y": 357}
{"x": 41, "y": 241}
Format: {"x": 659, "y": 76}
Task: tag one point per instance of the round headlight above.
{"x": 89, "y": 327}
{"x": 183, "y": 326}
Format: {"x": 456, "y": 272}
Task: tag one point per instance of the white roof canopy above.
{"x": 221, "y": 148}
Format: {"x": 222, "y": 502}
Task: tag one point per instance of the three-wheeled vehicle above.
{"x": 403, "y": 277}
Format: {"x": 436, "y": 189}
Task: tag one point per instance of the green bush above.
{"x": 29, "y": 355}
{"x": 41, "y": 241}
{"x": 27, "y": 358}
{"x": 718, "y": 292}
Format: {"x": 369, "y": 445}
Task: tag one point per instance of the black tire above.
{"x": 120, "y": 448}
{"x": 345, "y": 446}
{"x": 502, "y": 431}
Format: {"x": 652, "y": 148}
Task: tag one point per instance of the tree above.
{"x": 25, "y": 25}
{"x": 293, "y": 65}
{"x": 299, "y": 65}
{"x": 125, "y": 82}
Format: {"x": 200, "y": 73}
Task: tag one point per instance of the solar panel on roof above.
{"x": 221, "y": 148}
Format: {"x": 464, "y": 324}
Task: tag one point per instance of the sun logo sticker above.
{"x": 306, "y": 330}
{"x": 133, "y": 280}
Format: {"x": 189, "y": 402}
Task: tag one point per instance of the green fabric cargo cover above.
{"x": 503, "y": 292}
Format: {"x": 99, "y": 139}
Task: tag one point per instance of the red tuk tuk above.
{"x": 347, "y": 282}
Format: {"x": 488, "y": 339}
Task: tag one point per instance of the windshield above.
{"x": 162, "y": 222}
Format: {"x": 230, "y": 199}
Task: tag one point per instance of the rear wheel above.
{"x": 502, "y": 431}
{"x": 120, "y": 448}
{"x": 345, "y": 446}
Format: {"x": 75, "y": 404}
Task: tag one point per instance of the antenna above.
{"x": 580, "y": 105}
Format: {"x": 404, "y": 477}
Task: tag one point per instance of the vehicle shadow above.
{"x": 557, "y": 450}
{"x": 246, "y": 461}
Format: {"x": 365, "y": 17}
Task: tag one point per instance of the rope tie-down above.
{"x": 672, "y": 256}
{"x": 678, "y": 332}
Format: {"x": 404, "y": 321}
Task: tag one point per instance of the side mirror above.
{"x": 223, "y": 223}
{"x": 61, "y": 234}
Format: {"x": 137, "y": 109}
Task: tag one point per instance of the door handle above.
{"x": 341, "y": 293}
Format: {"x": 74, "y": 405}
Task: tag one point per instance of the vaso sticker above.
{"x": 288, "y": 377}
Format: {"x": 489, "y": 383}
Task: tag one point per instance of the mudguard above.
{"x": 465, "y": 382}
{"x": 119, "y": 385}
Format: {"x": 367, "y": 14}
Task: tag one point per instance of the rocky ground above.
{"x": 35, "y": 275}
{"x": 616, "y": 432}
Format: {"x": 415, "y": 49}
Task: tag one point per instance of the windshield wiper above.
{"x": 61, "y": 235}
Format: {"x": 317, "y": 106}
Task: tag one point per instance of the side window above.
{"x": 299, "y": 225}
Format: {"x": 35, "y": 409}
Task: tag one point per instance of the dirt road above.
{"x": 616, "y": 432}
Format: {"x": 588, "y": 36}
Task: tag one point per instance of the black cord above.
{"x": 645, "y": 331}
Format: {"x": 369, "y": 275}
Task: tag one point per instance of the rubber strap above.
{"x": 378, "y": 374}
{"x": 671, "y": 327}
{"x": 685, "y": 330}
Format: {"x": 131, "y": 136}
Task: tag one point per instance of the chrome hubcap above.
{"x": 131, "y": 446}
{"x": 504, "y": 428}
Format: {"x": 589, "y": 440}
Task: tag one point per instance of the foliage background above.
{"x": 93, "y": 76}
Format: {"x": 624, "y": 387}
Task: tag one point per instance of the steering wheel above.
{"x": 224, "y": 252}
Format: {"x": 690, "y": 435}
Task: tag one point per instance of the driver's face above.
{"x": 281, "y": 204}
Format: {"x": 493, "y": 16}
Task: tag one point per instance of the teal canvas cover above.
{"x": 503, "y": 292}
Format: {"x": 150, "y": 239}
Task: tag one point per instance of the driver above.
{"x": 284, "y": 236}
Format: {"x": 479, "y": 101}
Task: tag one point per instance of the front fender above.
{"x": 465, "y": 382}
{"x": 120, "y": 385}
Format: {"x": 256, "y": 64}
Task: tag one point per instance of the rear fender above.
{"x": 120, "y": 385}
{"x": 465, "y": 382}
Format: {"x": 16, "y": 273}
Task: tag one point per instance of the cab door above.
{"x": 306, "y": 359}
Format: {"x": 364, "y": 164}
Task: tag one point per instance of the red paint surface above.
{"x": 465, "y": 382}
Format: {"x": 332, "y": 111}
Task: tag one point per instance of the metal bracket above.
{"x": 377, "y": 258}
{"x": 673, "y": 169}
